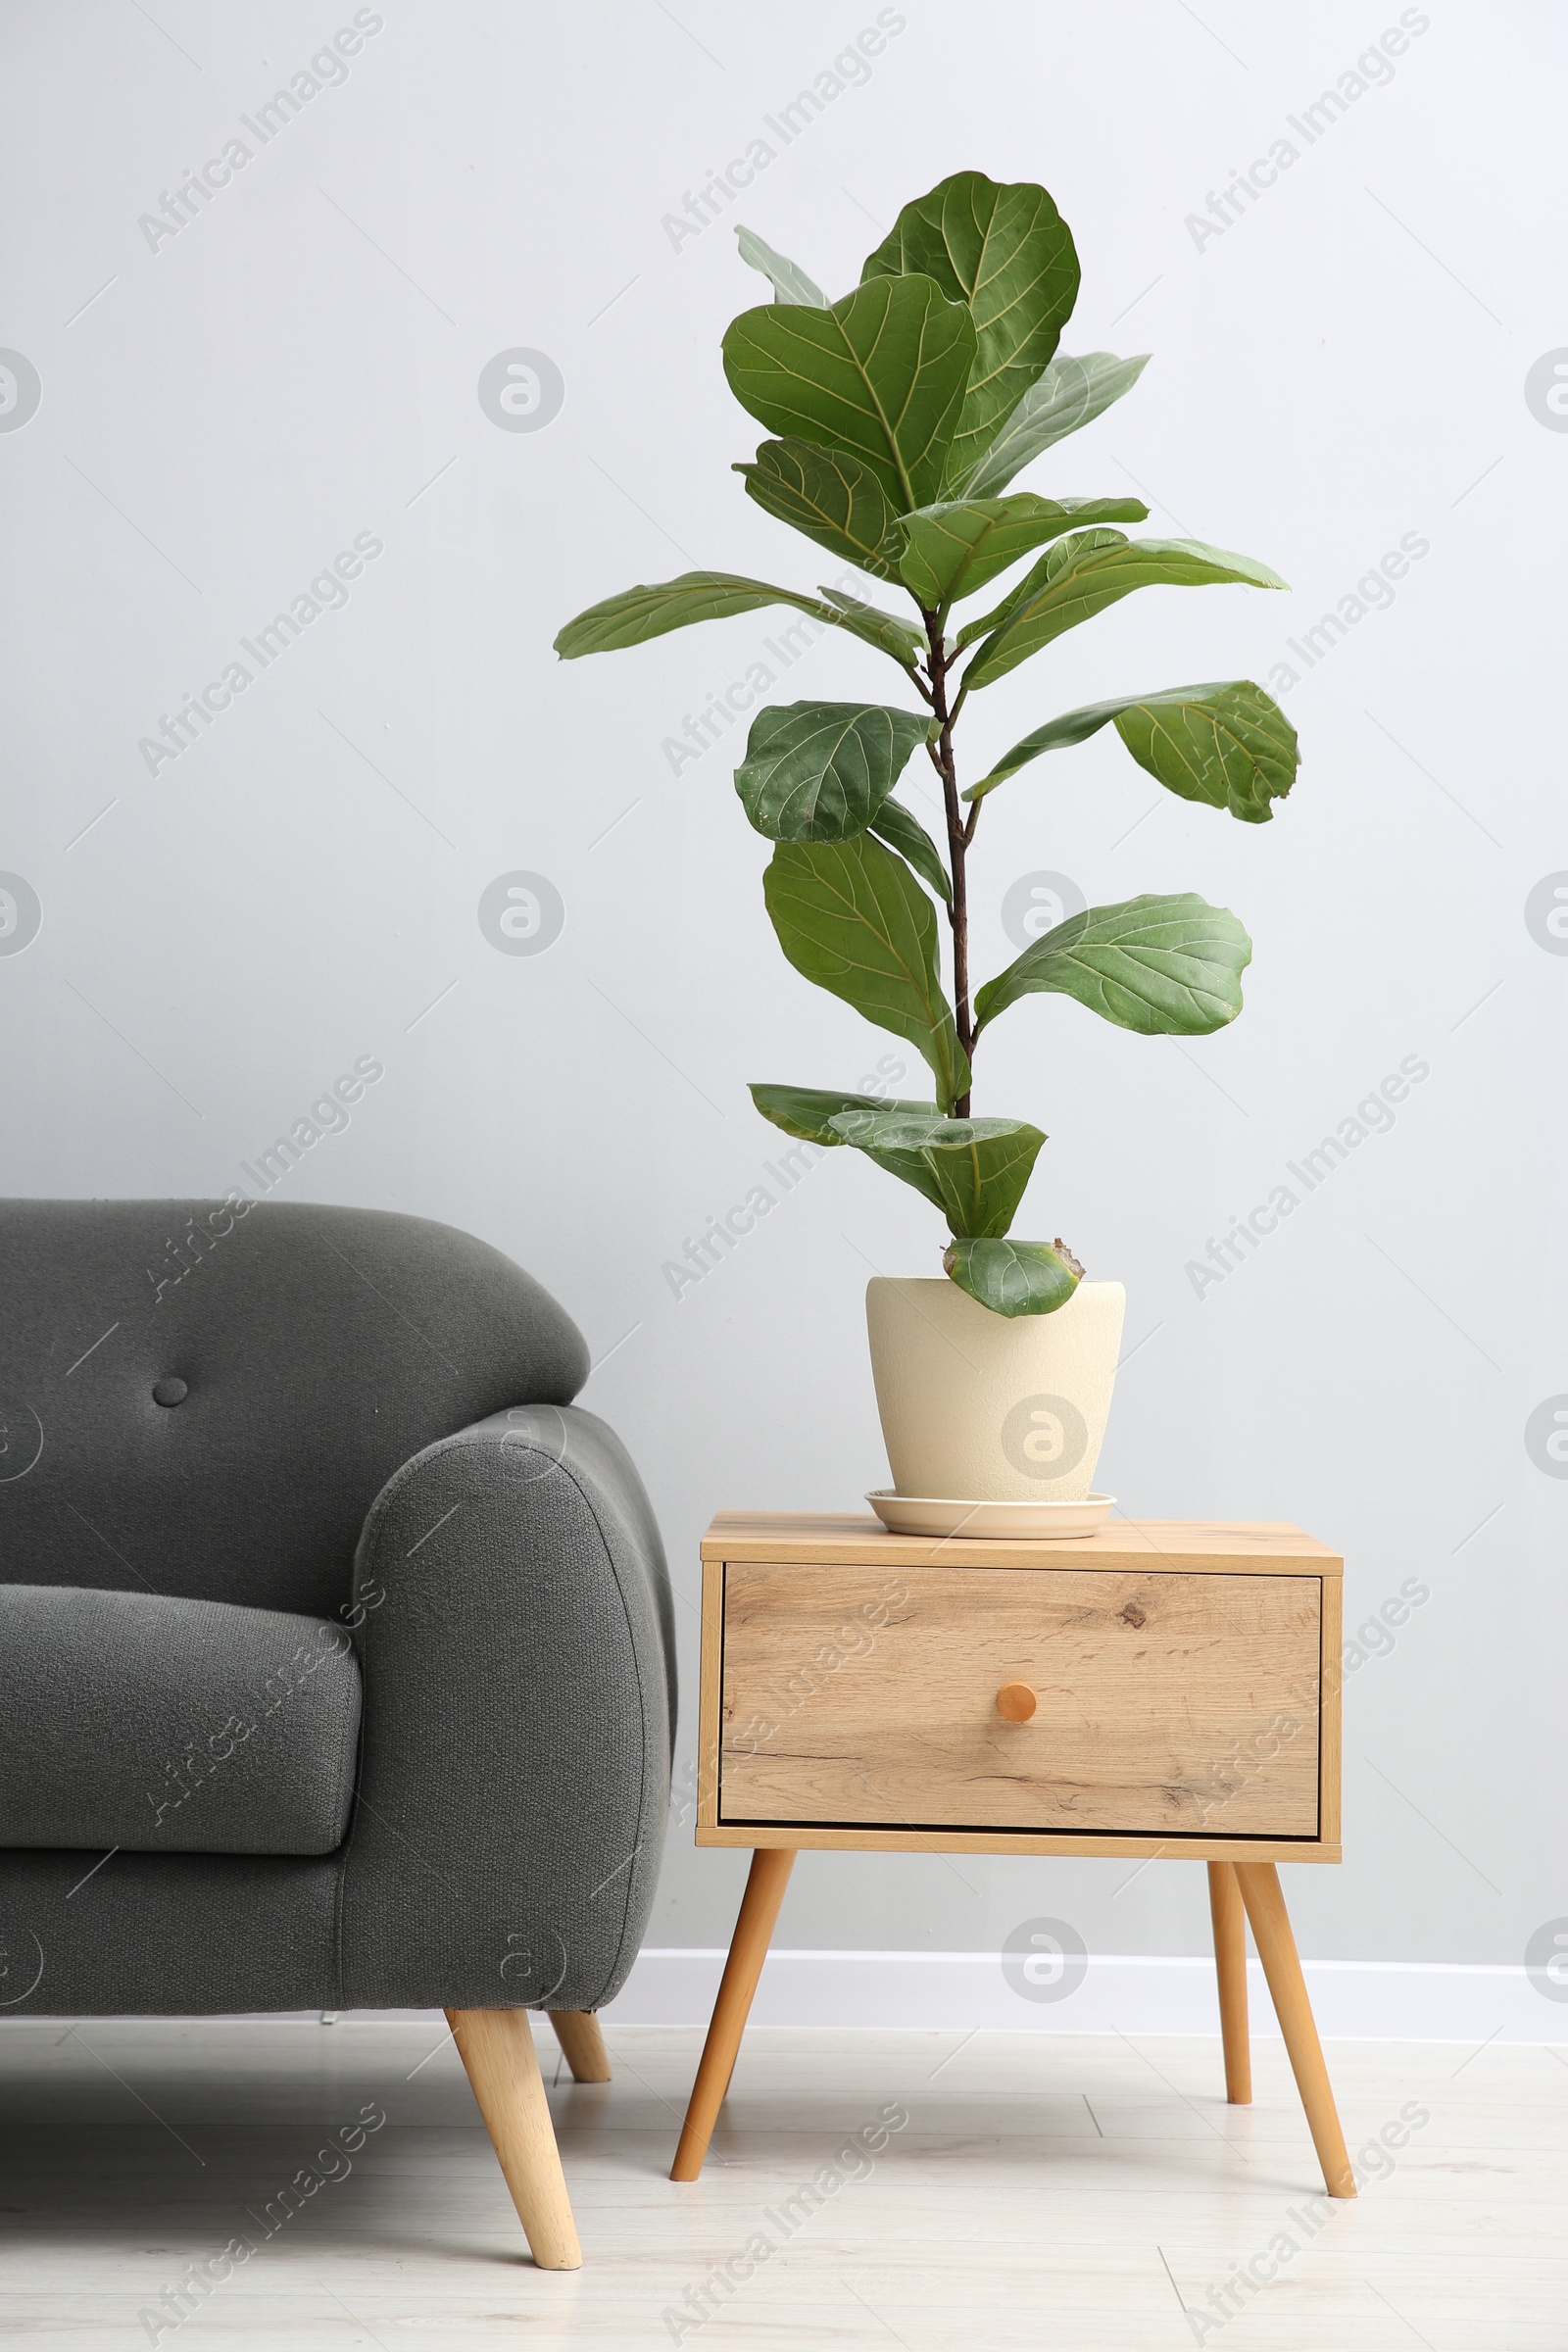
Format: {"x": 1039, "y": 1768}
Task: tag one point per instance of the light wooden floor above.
{"x": 1055, "y": 2193}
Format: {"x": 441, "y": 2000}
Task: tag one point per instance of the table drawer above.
{"x": 1167, "y": 1704}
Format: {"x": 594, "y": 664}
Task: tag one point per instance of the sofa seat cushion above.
{"x": 163, "y": 1726}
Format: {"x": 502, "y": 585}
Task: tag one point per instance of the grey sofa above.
{"x": 336, "y": 1666}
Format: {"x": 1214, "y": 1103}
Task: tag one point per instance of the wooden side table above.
{"x": 1165, "y": 1688}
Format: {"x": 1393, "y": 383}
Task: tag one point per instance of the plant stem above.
{"x": 958, "y": 839}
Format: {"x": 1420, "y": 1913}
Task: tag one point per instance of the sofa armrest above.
{"x": 513, "y": 1622}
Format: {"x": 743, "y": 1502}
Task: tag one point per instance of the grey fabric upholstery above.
{"x": 320, "y": 1349}
{"x": 377, "y": 1431}
{"x": 166, "y": 1935}
{"x": 160, "y": 1726}
{"x": 518, "y": 1550}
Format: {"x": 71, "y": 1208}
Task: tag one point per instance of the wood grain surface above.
{"x": 855, "y": 1539}
{"x": 1170, "y": 1703}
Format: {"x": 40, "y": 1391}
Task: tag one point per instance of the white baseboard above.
{"x": 1362, "y": 2000}
{"x": 1352, "y": 2000}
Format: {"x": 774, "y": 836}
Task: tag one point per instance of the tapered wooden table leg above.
{"x": 497, "y": 2050}
{"x": 582, "y": 2039}
{"x": 1230, "y": 1966}
{"x": 753, "y": 1930}
{"x": 1260, "y": 1883}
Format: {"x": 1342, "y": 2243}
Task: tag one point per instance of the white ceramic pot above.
{"x": 992, "y": 1408}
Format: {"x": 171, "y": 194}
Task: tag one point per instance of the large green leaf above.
{"x": 1009, "y": 254}
{"x": 819, "y": 771}
{"x": 1071, "y": 394}
{"x": 789, "y": 280}
{"x": 1163, "y": 966}
{"x": 805, "y": 1111}
{"x": 953, "y": 548}
{"x": 828, "y": 495}
{"x": 1080, "y": 577}
{"x": 877, "y": 626}
{"x": 909, "y": 1167}
{"x": 903, "y": 832}
{"x": 1014, "y": 1278}
{"x": 1237, "y": 751}
{"x": 1034, "y": 578}
{"x": 879, "y": 374}
{"x": 851, "y": 918}
{"x": 977, "y": 1170}
{"x": 1227, "y": 744}
{"x": 640, "y": 612}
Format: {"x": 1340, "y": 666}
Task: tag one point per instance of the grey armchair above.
{"x": 336, "y": 1666}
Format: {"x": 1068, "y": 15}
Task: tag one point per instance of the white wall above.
{"x": 1343, "y": 366}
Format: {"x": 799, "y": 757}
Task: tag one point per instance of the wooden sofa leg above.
{"x": 582, "y": 2040}
{"x": 498, "y": 2054}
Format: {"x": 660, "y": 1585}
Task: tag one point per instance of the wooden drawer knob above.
{"x": 1016, "y": 1702}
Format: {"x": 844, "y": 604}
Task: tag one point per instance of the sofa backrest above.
{"x": 204, "y": 1398}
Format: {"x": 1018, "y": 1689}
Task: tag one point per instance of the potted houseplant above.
{"x": 898, "y": 418}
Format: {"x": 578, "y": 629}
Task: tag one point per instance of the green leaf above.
{"x": 977, "y": 1170}
{"x": 1163, "y": 966}
{"x": 1227, "y": 744}
{"x": 639, "y": 614}
{"x": 851, "y": 918}
{"x": 894, "y": 636}
{"x": 1235, "y": 750}
{"x": 953, "y": 548}
{"x": 1071, "y": 394}
{"x": 790, "y": 282}
{"x": 1009, "y": 254}
{"x": 829, "y": 496}
{"x": 819, "y": 771}
{"x": 909, "y": 1167}
{"x": 805, "y": 1111}
{"x": 879, "y": 374}
{"x": 1014, "y": 1278}
{"x": 903, "y": 832}
{"x": 1080, "y": 577}
{"x": 1033, "y": 579}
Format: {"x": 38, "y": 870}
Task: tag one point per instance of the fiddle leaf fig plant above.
{"x": 899, "y": 415}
